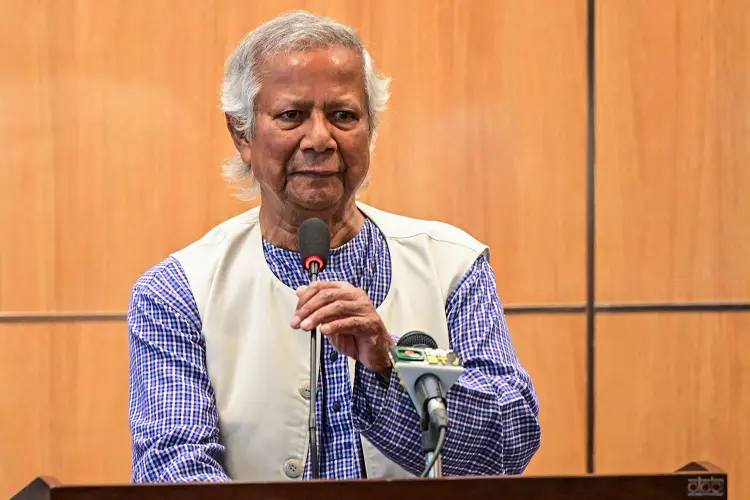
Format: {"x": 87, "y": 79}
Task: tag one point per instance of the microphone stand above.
{"x": 430, "y": 440}
{"x": 312, "y": 417}
{"x": 434, "y": 423}
{"x": 437, "y": 467}
{"x": 430, "y": 399}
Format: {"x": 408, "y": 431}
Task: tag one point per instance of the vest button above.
{"x": 304, "y": 390}
{"x": 293, "y": 468}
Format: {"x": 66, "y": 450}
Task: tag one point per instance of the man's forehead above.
{"x": 334, "y": 60}
{"x": 333, "y": 75}
{"x": 299, "y": 59}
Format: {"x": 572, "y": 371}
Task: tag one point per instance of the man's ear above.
{"x": 241, "y": 143}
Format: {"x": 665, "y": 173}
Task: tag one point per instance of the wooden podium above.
{"x": 695, "y": 480}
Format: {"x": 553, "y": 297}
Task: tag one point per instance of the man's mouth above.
{"x": 317, "y": 173}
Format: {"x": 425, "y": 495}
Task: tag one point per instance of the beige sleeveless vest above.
{"x": 259, "y": 366}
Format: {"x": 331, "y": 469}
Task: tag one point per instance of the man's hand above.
{"x": 348, "y": 318}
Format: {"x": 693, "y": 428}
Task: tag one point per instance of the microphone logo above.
{"x": 412, "y": 362}
{"x": 445, "y": 357}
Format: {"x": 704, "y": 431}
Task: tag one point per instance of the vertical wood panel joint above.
{"x": 590, "y": 228}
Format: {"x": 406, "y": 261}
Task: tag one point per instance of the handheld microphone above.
{"x": 314, "y": 240}
{"x": 427, "y": 373}
{"x": 314, "y": 246}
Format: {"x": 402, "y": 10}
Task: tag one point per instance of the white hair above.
{"x": 293, "y": 31}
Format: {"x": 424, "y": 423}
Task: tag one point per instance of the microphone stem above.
{"x": 437, "y": 467}
{"x": 434, "y": 450}
{"x": 313, "y": 424}
{"x": 312, "y": 418}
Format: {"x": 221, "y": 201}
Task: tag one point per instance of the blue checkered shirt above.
{"x": 494, "y": 426}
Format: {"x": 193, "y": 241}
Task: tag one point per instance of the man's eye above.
{"x": 291, "y": 115}
{"x": 344, "y": 116}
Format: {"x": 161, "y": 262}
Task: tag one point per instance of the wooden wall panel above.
{"x": 64, "y": 412}
{"x": 111, "y": 145}
{"x": 553, "y": 349}
{"x": 672, "y": 388}
{"x": 673, "y": 93}
{"x": 487, "y": 131}
{"x": 111, "y": 138}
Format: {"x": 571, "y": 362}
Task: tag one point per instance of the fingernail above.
{"x": 306, "y": 325}
{"x": 324, "y": 329}
{"x": 301, "y": 289}
{"x": 295, "y": 322}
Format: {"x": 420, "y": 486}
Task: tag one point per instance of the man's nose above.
{"x": 318, "y": 137}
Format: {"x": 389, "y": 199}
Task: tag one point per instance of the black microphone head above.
{"x": 417, "y": 339}
{"x": 314, "y": 240}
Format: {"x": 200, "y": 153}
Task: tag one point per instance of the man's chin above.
{"x": 319, "y": 202}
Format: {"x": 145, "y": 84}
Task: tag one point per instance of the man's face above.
{"x": 310, "y": 150}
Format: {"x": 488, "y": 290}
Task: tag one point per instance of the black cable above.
{"x": 438, "y": 451}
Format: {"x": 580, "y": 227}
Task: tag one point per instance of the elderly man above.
{"x": 218, "y": 331}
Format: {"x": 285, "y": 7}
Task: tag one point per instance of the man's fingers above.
{"x": 345, "y": 326}
{"x": 318, "y": 285}
{"x": 330, "y": 312}
{"x": 319, "y": 300}
{"x": 305, "y": 293}
{"x": 316, "y": 296}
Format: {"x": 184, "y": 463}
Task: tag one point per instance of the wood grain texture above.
{"x": 552, "y": 348}
{"x": 672, "y": 388}
{"x": 64, "y": 412}
{"x": 111, "y": 145}
{"x": 673, "y": 93}
{"x": 111, "y": 138}
{"x": 487, "y": 131}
